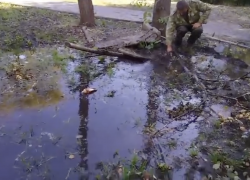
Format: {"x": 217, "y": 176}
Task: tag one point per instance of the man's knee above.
{"x": 197, "y": 31}
{"x": 182, "y": 30}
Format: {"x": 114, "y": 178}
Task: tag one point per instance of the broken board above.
{"x": 148, "y": 34}
{"x": 128, "y": 40}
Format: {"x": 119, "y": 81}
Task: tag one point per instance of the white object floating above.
{"x": 89, "y": 90}
{"x": 22, "y": 57}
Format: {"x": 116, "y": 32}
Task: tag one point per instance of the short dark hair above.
{"x": 181, "y": 5}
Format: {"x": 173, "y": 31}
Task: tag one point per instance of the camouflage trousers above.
{"x": 182, "y": 30}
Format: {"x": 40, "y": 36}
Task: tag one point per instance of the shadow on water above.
{"x": 66, "y": 140}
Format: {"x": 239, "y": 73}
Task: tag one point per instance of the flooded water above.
{"x": 67, "y": 138}
{"x": 106, "y": 124}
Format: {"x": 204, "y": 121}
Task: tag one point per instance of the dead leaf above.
{"x": 89, "y": 90}
{"x": 243, "y": 129}
{"x": 71, "y": 156}
{"x": 18, "y": 77}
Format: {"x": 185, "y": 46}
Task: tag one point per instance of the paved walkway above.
{"x": 100, "y": 11}
{"x": 220, "y": 28}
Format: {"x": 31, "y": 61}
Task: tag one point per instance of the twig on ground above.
{"x": 70, "y": 169}
{"x": 229, "y": 42}
{"x": 185, "y": 126}
{"x": 41, "y": 163}
{"x": 184, "y": 114}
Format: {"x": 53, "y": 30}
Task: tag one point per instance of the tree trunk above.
{"x": 160, "y": 15}
{"x": 87, "y": 16}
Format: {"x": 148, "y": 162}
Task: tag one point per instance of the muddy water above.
{"x": 80, "y": 131}
{"x": 106, "y": 124}
{"x": 91, "y": 128}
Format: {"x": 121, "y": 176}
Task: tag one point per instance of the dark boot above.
{"x": 181, "y": 31}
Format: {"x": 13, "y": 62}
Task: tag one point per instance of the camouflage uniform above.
{"x": 178, "y": 23}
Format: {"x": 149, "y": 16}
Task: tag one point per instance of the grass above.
{"x": 193, "y": 152}
{"x": 29, "y": 27}
{"x": 26, "y": 27}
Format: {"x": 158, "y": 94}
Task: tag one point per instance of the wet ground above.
{"x": 60, "y": 133}
{"x": 151, "y": 115}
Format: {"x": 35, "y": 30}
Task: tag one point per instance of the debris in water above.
{"x": 19, "y": 155}
{"x": 71, "y": 156}
{"x": 111, "y": 93}
{"x": 79, "y": 136}
{"x": 89, "y": 90}
{"x": 50, "y": 135}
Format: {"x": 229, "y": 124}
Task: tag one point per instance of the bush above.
{"x": 229, "y": 2}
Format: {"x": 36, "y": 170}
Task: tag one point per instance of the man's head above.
{"x": 182, "y": 7}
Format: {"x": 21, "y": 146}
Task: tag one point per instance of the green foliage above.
{"x": 163, "y": 20}
{"x": 230, "y": 2}
{"x": 59, "y": 60}
{"x": 140, "y": 3}
{"x": 147, "y": 16}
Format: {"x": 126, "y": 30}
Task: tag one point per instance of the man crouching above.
{"x": 188, "y": 17}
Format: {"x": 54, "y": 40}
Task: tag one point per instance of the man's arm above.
{"x": 170, "y": 29}
{"x": 205, "y": 9}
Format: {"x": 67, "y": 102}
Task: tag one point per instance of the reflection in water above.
{"x": 83, "y": 128}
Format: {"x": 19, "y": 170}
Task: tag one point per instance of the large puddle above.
{"x": 66, "y": 140}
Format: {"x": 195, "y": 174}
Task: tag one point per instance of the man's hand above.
{"x": 169, "y": 50}
{"x": 196, "y": 25}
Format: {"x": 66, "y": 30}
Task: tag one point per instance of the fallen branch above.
{"x": 131, "y": 53}
{"x": 229, "y": 42}
{"x": 92, "y": 50}
{"x": 121, "y": 52}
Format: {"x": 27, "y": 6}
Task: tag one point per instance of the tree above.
{"x": 161, "y": 12}
{"x": 87, "y": 16}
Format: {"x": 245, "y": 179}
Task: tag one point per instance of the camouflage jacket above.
{"x": 195, "y": 8}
